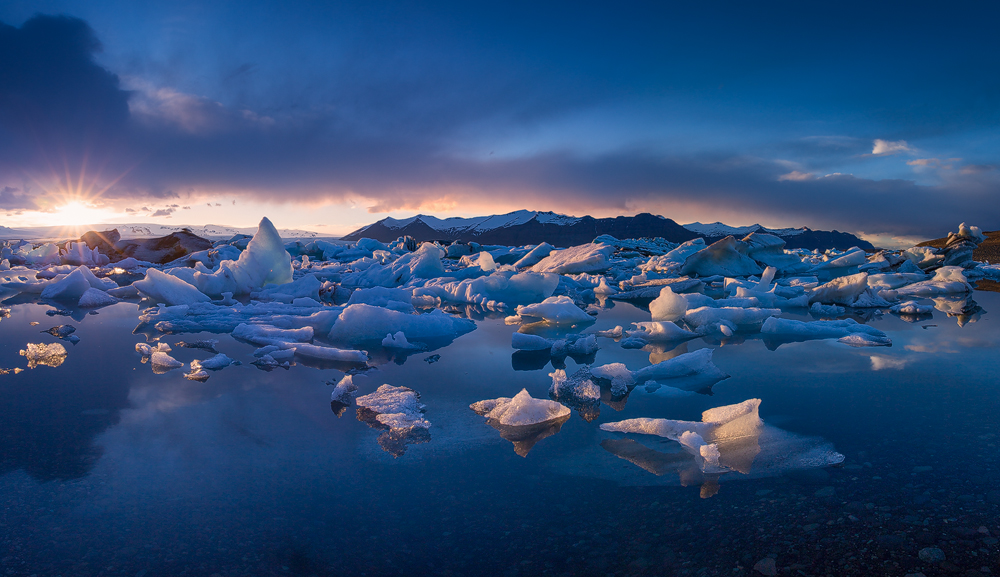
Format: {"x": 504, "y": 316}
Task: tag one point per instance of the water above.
{"x": 110, "y": 469}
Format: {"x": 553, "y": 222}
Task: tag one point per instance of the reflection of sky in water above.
{"x": 107, "y": 464}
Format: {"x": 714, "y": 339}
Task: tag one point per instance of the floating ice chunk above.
{"x": 397, "y": 412}
{"x": 69, "y": 288}
{"x": 894, "y": 280}
{"x": 382, "y": 297}
{"x": 590, "y": 258}
{"x": 196, "y": 373}
{"x": 852, "y": 258}
{"x": 728, "y": 422}
{"x": 398, "y": 341}
{"x": 827, "y": 310}
{"x": 946, "y": 280}
{"x": 575, "y": 345}
{"x": 125, "y": 292}
{"x": 395, "y": 407}
{"x": 660, "y": 331}
{"x": 167, "y": 289}
{"x": 39, "y": 354}
{"x": 146, "y": 350}
{"x": 525, "y": 342}
{"x": 558, "y": 310}
{"x": 842, "y": 290}
{"x": 345, "y": 391}
{"x": 668, "y": 306}
{"x": 822, "y": 329}
{"x": 361, "y": 322}
{"x": 869, "y": 299}
{"x": 260, "y": 334}
{"x": 264, "y": 262}
{"x": 911, "y": 308}
{"x": 734, "y": 317}
{"x": 521, "y": 410}
{"x": 696, "y": 363}
{"x": 500, "y": 287}
{"x": 93, "y": 298}
{"x": 523, "y": 420}
{"x": 721, "y": 258}
{"x": 307, "y": 287}
{"x": 162, "y": 362}
{"x": 424, "y": 263}
{"x": 621, "y": 378}
{"x": 615, "y": 333}
{"x": 535, "y": 255}
{"x": 61, "y": 331}
{"x": 924, "y": 257}
{"x": 216, "y": 363}
{"x": 769, "y": 250}
{"x": 323, "y": 353}
{"x": 604, "y": 289}
{"x": 577, "y": 391}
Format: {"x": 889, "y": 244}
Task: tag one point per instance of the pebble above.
{"x": 931, "y": 555}
{"x": 766, "y": 566}
{"x": 923, "y": 469}
{"x": 826, "y": 492}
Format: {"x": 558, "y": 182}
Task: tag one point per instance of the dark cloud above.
{"x": 13, "y": 198}
{"x": 163, "y": 212}
{"x": 56, "y": 103}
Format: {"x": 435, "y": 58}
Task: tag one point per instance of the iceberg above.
{"x": 947, "y": 280}
{"x": 343, "y": 395}
{"x": 264, "y": 262}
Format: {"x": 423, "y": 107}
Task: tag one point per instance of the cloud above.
{"x": 13, "y": 198}
{"x": 887, "y": 147}
{"x": 395, "y": 142}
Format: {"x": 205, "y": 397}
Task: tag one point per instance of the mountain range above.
{"x": 530, "y": 227}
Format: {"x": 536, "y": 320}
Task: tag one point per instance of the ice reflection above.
{"x": 963, "y": 309}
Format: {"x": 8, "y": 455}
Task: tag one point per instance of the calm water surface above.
{"x": 109, "y": 469}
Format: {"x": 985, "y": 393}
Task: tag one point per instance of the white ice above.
{"x": 559, "y": 310}
{"x": 521, "y": 410}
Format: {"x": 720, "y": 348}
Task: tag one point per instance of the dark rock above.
{"x": 103, "y": 241}
{"x": 160, "y": 250}
{"x": 931, "y": 555}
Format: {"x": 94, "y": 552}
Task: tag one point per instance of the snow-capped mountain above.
{"x": 718, "y": 229}
{"x": 532, "y": 227}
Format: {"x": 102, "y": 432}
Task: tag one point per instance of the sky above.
{"x": 876, "y": 119}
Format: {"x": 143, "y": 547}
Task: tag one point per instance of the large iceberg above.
{"x": 264, "y": 262}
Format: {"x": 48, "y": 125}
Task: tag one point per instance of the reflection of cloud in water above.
{"x": 880, "y": 363}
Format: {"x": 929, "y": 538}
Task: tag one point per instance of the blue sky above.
{"x": 874, "y": 119}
